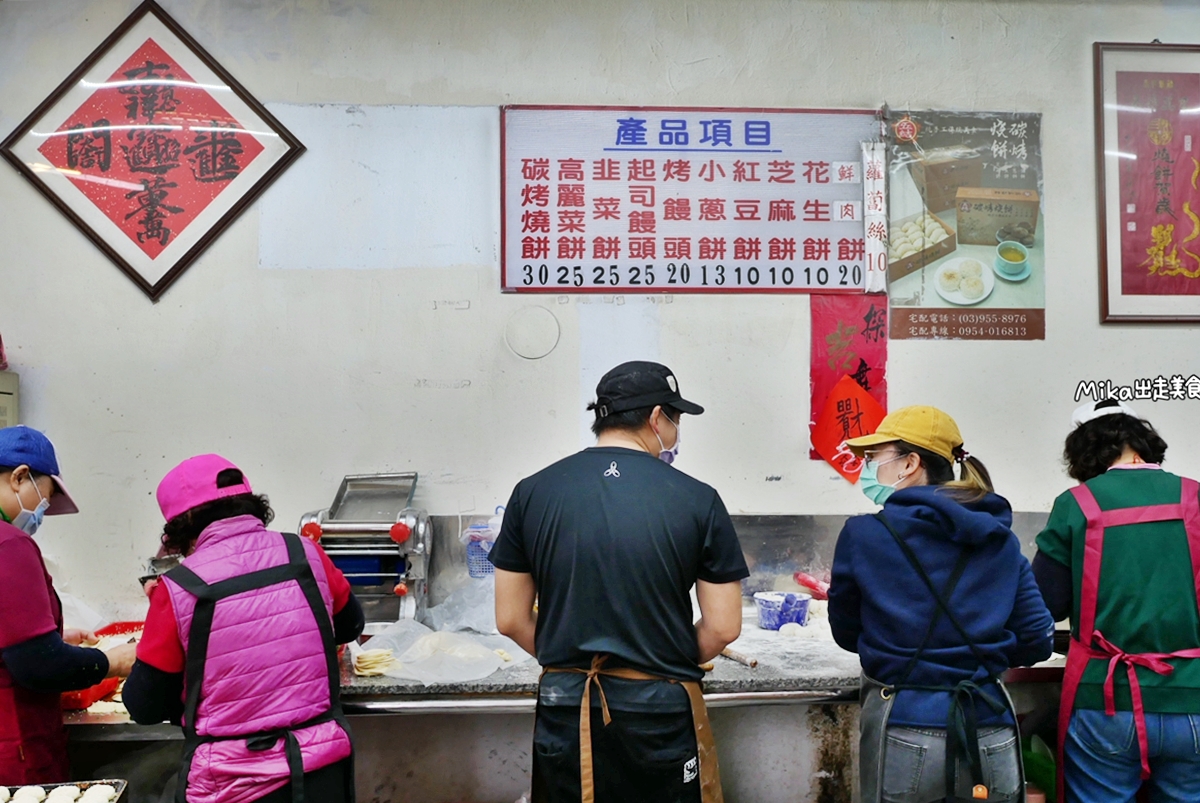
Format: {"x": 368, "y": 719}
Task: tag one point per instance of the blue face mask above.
{"x": 28, "y": 521}
{"x": 870, "y": 485}
{"x": 668, "y": 455}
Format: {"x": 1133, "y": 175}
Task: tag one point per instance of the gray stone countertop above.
{"x": 810, "y": 663}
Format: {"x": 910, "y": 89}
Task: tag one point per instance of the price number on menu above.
{"x": 679, "y": 276}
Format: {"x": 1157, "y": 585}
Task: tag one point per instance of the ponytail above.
{"x": 974, "y": 482}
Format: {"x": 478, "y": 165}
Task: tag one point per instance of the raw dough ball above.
{"x": 29, "y": 794}
{"x": 791, "y": 629}
{"x": 63, "y": 794}
{"x": 971, "y": 268}
{"x": 4, "y": 795}
{"x": 971, "y": 288}
{"x": 949, "y": 280}
{"x": 99, "y": 793}
{"x": 939, "y": 235}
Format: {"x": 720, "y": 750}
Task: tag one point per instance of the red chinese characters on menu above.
{"x": 1158, "y": 143}
{"x": 564, "y": 202}
{"x": 151, "y": 148}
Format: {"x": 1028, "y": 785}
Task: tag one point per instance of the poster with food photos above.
{"x": 966, "y": 232}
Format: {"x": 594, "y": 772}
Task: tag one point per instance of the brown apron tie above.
{"x": 706, "y": 748}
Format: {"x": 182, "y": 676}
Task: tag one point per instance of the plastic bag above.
{"x": 445, "y": 658}
{"x": 472, "y": 607}
{"x": 76, "y": 613}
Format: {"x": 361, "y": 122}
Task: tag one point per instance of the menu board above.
{"x": 677, "y": 200}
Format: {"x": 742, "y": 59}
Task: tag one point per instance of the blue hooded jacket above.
{"x": 881, "y": 609}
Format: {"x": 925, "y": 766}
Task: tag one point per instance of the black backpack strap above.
{"x": 207, "y": 596}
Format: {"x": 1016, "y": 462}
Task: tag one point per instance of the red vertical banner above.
{"x": 849, "y": 338}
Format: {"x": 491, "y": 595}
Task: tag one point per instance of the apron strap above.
{"x": 938, "y": 596}
{"x": 207, "y": 596}
{"x": 1091, "y": 643}
{"x": 706, "y": 748}
{"x": 962, "y": 736}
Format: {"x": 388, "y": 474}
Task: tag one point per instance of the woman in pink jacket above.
{"x": 240, "y": 648}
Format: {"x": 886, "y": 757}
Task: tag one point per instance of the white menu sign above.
{"x": 620, "y": 200}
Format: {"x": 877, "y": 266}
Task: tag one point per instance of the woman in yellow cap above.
{"x": 934, "y": 595}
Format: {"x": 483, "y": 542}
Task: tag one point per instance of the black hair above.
{"x": 973, "y": 483}
{"x": 628, "y": 419}
{"x": 1093, "y": 446}
{"x": 182, "y": 531}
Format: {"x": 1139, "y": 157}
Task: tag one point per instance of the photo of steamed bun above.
{"x": 971, "y": 288}
{"x": 971, "y": 268}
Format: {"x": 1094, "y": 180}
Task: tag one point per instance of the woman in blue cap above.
{"x": 38, "y": 658}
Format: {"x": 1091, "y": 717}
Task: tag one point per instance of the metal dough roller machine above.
{"x": 379, "y": 541}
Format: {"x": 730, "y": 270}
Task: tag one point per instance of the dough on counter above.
{"x": 791, "y": 629}
{"x": 98, "y": 793}
{"x": 372, "y": 663}
{"x": 971, "y": 288}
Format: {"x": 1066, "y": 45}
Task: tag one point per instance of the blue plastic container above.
{"x": 778, "y": 608}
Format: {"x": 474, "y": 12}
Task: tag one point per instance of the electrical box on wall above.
{"x": 9, "y": 384}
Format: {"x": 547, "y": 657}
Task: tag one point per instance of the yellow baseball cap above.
{"x": 927, "y": 427}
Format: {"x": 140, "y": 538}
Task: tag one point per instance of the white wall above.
{"x": 302, "y": 376}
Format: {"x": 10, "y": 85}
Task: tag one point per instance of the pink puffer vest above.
{"x": 266, "y": 667}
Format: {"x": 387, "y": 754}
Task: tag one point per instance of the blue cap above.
{"x": 23, "y": 446}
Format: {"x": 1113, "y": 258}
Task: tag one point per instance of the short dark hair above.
{"x": 628, "y": 419}
{"x": 182, "y": 531}
{"x": 37, "y": 475}
{"x": 1094, "y": 445}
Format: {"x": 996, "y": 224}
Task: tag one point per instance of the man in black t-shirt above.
{"x": 610, "y": 541}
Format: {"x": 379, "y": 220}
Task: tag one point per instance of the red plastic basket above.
{"x": 83, "y": 698}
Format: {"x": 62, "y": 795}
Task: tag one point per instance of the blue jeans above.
{"x": 914, "y": 765}
{"x": 1102, "y": 762}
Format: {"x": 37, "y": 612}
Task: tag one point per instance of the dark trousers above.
{"x": 332, "y": 784}
{"x": 637, "y": 758}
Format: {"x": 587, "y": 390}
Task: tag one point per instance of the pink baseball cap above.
{"x": 194, "y": 482}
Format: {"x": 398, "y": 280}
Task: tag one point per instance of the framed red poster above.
{"x": 1147, "y": 99}
{"x": 151, "y": 148}
{"x": 599, "y": 199}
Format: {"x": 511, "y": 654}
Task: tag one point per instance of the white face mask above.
{"x": 668, "y": 455}
{"x": 28, "y": 521}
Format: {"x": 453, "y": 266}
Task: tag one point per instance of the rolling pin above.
{"x": 734, "y": 655}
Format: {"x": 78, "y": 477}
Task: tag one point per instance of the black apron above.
{"x": 962, "y": 732}
{"x": 296, "y": 569}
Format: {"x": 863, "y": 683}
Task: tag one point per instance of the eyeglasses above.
{"x": 876, "y": 455}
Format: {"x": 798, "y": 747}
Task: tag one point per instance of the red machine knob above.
{"x": 312, "y": 531}
{"x": 400, "y": 532}
{"x": 401, "y": 590}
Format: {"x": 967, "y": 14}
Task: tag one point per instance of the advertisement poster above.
{"x": 849, "y": 339}
{"x": 966, "y": 230}
{"x": 617, "y": 200}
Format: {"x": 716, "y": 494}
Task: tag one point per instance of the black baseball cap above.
{"x": 634, "y": 385}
